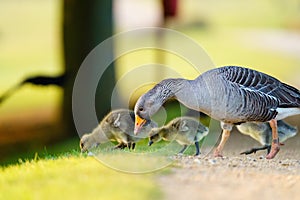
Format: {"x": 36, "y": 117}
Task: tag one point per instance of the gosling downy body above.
{"x": 230, "y": 94}
{"x": 262, "y": 133}
{"x": 184, "y": 130}
{"x": 118, "y": 126}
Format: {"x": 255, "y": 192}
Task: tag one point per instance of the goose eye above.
{"x": 141, "y": 109}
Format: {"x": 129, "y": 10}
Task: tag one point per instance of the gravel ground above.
{"x": 236, "y": 176}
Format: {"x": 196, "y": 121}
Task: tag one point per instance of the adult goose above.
{"x": 230, "y": 94}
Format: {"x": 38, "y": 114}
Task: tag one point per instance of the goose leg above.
{"x": 225, "y": 136}
{"x": 268, "y": 149}
{"x": 275, "y": 140}
{"x": 197, "y": 148}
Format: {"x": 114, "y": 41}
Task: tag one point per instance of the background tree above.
{"x": 85, "y": 25}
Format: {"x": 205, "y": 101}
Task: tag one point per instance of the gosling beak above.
{"x": 139, "y": 123}
{"x": 83, "y": 150}
{"x": 150, "y": 143}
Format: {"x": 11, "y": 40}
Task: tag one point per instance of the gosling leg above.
{"x": 225, "y": 136}
{"x": 183, "y": 149}
{"x": 197, "y": 148}
{"x": 275, "y": 140}
{"x": 133, "y": 146}
{"x": 255, "y": 149}
{"x": 120, "y": 146}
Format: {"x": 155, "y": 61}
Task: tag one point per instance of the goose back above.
{"x": 239, "y": 94}
{"x": 287, "y": 96}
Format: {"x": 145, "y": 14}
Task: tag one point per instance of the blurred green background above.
{"x": 260, "y": 34}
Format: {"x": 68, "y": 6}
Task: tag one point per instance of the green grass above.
{"x": 74, "y": 177}
{"x": 62, "y": 172}
{"x": 61, "y": 149}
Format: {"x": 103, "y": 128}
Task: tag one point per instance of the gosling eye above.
{"x": 81, "y": 145}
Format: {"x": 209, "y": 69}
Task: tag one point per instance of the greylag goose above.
{"x": 118, "y": 126}
{"x": 262, "y": 133}
{"x": 230, "y": 94}
{"x": 184, "y": 130}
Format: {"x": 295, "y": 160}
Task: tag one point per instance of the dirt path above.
{"x": 236, "y": 176}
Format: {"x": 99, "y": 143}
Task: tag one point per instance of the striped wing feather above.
{"x": 249, "y": 79}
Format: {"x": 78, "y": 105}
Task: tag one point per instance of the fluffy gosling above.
{"x": 262, "y": 133}
{"x": 185, "y": 130}
{"x": 117, "y": 125}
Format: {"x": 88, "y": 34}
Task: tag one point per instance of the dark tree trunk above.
{"x": 85, "y": 25}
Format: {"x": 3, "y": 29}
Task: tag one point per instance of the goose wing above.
{"x": 263, "y": 84}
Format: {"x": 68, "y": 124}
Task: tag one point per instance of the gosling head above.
{"x": 148, "y": 104}
{"x": 155, "y": 136}
{"x": 87, "y": 142}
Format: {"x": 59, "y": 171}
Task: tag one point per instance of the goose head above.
{"x": 148, "y": 104}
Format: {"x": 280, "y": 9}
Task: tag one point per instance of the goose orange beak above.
{"x": 139, "y": 123}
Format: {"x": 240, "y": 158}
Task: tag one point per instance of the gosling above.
{"x": 117, "y": 125}
{"x": 185, "y": 130}
{"x": 262, "y": 133}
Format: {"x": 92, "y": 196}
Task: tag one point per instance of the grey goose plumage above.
{"x": 230, "y": 94}
{"x": 267, "y": 91}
